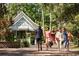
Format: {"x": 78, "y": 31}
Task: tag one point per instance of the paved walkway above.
{"x": 32, "y": 51}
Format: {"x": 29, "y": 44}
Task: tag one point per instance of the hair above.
{"x": 59, "y": 29}
{"x": 39, "y": 27}
{"x": 47, "y": 28}
{"x": 64, "y": 29}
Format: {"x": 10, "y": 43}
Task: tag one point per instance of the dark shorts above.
{"x": 39, "y": 40}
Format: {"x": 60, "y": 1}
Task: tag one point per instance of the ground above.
{"x": 32, "y": 51}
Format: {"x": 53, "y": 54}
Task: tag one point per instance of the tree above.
{"x": 3, "y": 10}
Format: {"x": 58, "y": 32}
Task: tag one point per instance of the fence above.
{"x": 9, "y": 45}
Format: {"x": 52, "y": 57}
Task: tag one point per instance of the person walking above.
{"x": 66, "y": 41}
{"x": 48, "y": 40}
{"x": 39, "y": 34}
{"x": 59, "y": 38}
{"x": 53, "y": 37}
{"x": 70, "y": 36}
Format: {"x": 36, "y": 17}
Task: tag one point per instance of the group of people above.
{"x": 59, "y": 37}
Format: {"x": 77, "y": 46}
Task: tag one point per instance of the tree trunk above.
{"x": 43, "y": 20}
{"x": 50, "y": 21}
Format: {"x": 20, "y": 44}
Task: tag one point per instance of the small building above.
{"x": 23, "y": 26}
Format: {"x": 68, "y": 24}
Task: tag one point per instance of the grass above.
{"x": 74, "y": 47}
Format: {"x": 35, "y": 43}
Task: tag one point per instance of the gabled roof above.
{"x": 23, "y": 22}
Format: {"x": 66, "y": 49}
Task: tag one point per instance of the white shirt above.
{"x": 59, "y": 35}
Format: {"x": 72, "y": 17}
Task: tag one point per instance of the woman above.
{"x": 48, "y": 40}
{"x": 59, "y": 37}
{"x": 70, "y": 36}
{"x": 53, "y": 37}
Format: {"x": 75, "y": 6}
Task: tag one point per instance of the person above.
{"x": 59, "y": 38}
{"x": 48, "y": 40}
{"x": 70, "y": 36}
{"x": 53, "y": 37}
{"x": 39, "y": 34}
{"x": 66, "y": 41}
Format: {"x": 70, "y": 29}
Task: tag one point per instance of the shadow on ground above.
{"x": 22, "y": 52}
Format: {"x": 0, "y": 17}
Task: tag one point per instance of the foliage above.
{"x": 3, "y": 10}
{"x": 9, "y": 36}
{"x": 62, "y": 13}
{"x": 26, "y": 44}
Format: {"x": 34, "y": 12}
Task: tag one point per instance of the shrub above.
{"x": 75, "y": 40}
{"x": 32, "y": 41}
{"x": 26, "y": 44}
{"x": 10, "y": 37}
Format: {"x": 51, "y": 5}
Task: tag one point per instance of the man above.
{"x": 39, "y": 34}
{"x": 66, "y": 41}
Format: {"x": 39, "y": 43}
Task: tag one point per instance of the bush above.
{"x": 10, "y": 38}
{"x": 32, "y": 40}
{"x": 75, "y": 40}
{"x": 26, "y": 44}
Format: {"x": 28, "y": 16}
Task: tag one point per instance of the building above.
{"x": 23, "y": 26}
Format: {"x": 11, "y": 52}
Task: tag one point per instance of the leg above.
{"x": 62, "y": 42}
{"x": 59, "y": 45}
{"x": 46, "y": 44}
{"x": 38, "y": 43}
{"x": 38, "y": 46}
{"x": 41, "y": 45}
{"x": 68, "y": 45}
{"x": 50, "y": 44}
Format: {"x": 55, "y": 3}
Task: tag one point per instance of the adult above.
{"x": 66, "y": 41}
{"x": 59, "y": 38}
{"x": 39, "y": 34}
{"x": 53, "y": 37}
{"x": 70, "y": 36}
{"x": 48, "y": 40}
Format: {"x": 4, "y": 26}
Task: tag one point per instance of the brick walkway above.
{"x": 32, "y": 51}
